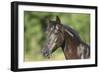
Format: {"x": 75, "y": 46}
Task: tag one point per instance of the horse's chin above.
{"x": 46, "y": 53}
{"x": 47, "y": 56}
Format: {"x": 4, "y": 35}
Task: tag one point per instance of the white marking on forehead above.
{"x": 56, "y": 29}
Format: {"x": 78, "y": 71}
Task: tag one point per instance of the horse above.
{"x": 60, "y": 35}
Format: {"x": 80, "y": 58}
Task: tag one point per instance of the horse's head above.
{"x": 54, "y": 37}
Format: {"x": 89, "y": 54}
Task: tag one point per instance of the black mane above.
{"x": 71, "y": 30}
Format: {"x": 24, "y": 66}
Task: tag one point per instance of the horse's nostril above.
{"x": 45, "y": 52}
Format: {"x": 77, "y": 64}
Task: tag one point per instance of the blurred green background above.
{"x": 35, "y": 27}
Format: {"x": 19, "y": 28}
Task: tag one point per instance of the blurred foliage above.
{"x": 35, "y": 27}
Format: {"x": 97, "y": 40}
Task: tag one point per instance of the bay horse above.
{"x": 59, "y": 35}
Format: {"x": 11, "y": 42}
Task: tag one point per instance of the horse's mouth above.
{"x": 46, "y": 53}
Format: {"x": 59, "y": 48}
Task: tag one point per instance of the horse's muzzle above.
{"x": 46, "y": 52}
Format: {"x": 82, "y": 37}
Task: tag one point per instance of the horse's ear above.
{"x": 58, "y": 20}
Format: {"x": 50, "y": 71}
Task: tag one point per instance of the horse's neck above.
{"x": 74, "y": 48}
{"x": 70, "y": 49}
